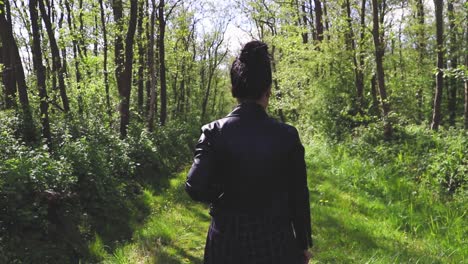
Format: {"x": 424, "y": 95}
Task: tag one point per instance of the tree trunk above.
{"x": 305, "y": 35}
{"x": 123, "y": 70}
{"x": 327, "y": 20}
{"x": 351, "y": 45}
{"x": 76, "y": 53}
{"x": 436, "y": 113}
{"x": 105, "y": 49}
{"x": 152, "y": 72}
{"x": 465, "y": 114}
{"x": 452, "y": 100}
{"x": 379, "y": 54}
{"x": 8, "y": 75}
{"x": 162, "y": 62}
{"x": 311, "y": 17}
{"x": 421, "y": 46}
{"x": 141, "y": 57}
{"x": 8, "y": 40}
{"x": 56, "y": 60}
{"x": 318, "y": 20}
{"x": 82, "y": 32}
{"x": 40, "y": 73}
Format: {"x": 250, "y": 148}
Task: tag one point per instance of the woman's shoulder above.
{"x": 285, "y": 128}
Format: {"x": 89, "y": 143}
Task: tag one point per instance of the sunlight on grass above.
{"x": 359, "y": 215}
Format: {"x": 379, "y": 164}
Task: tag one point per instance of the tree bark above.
{"x": 452, "y": 100}
{"x": 40, "y": 73}
{"x": 162, "y": 62}
{"x": 318, "y": 20}
{"x": 379, "y": 54}
{"x": 7, "y": 39}
{"x": 152, "y": 72}
{"x": 141, "y": 57}
{"x": 351, "y": 44}
{"x": 436, "y": 112}
{"x": 76, "y": 53}
{"x": 105, "y": 50}
{"x": 303, "y": 12}
{"x": 123, "y": 61}
{"x": 465, "y": 114}
{"x": 56, "y": 60}
{"x": 421, "y": 46}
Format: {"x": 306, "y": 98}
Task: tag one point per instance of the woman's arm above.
{"x": 299, "y": 193}
{"x": 199, "y": 184}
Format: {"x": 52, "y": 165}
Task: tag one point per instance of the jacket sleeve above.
{"x": 200, "y": 184}
{"x": 299, "y": 196}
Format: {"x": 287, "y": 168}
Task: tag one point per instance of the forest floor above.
{"x": 350, "y": 225}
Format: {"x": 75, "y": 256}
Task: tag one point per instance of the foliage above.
{"x": 90, "y": 186}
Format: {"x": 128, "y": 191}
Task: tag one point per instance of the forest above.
{"x": 101, "y": 105}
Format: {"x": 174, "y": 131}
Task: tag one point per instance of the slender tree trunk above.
{"x": 275, "y": 83}
{"x": 124, "y": 64}
{"x": 436, "y": 113}
{"x": 141, "y": 57}
{"x": 452, "y": 101}
{"x": 421, "y": 46}
{"x": 303, "y": 12}
{"x": 326, "y": 19}
{"x": 82, "y": 32}
{"x": 379, "y": 54}
{"x": 152, "y": 72}
{"x": 96, "y": 32}
{"x": 162, "y": 62}
{"x": 311, "y": 17}
{"x": 11, "y": 51}
{"x": 76, "y": 54}
{"x": 7, "y": 39}
{"x": 56, "y": 60}
{"x": 351, "y": 44}
{"x": 40, "y": 72}
{"x": 105, "y": 49}
{"x": 465, "y": 114}
{"x": 318, "y": 20}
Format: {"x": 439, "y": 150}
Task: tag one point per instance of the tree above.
{"x": 214, "y": 56}
{"x": 7, "y": 39}
{"x": 162, "y": 62}
{"x": 453, "y": 48}
{"x": 152, "y": 72}
{"x": 40, "y": 73}
{"x": 141, "y": 56}
{"x": 104, "y": 63}
{"x": 421, "y": 47}
{"x": 379, "y": 54}
{"x": 124, "y": 61}
{"x": 436, "y": 111}
{"x": 56, "y": 60}
{"x": 357, "y": 58}
{"x": 11, "y": 51}
{"x": 318, "y": 20}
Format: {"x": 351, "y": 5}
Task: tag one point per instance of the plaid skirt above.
{"x": 244, "y": 239}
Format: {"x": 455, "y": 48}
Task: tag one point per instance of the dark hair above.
{"x": 251, "y": 71}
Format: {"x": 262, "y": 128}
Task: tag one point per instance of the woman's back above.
{"x": 251, "y": 170}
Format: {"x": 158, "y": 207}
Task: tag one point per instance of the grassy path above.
{"x": 377, "y": 221}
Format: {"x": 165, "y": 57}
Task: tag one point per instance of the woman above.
{"x": 251, "y": 170}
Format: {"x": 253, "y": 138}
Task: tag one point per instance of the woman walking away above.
{"x": 251, "y": 170}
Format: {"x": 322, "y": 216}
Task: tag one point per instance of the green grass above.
{"x": 362, "y": 212}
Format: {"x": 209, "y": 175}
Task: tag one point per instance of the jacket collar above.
{"x": 250, "y": 109}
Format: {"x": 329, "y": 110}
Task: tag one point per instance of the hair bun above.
{"x": 254, "y": 52}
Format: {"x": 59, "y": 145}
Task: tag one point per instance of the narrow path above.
{"x": 361, "y": 213}
{"x": 174, "y": 232}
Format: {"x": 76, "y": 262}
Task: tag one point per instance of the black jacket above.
{"x": 249, "y": 163}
